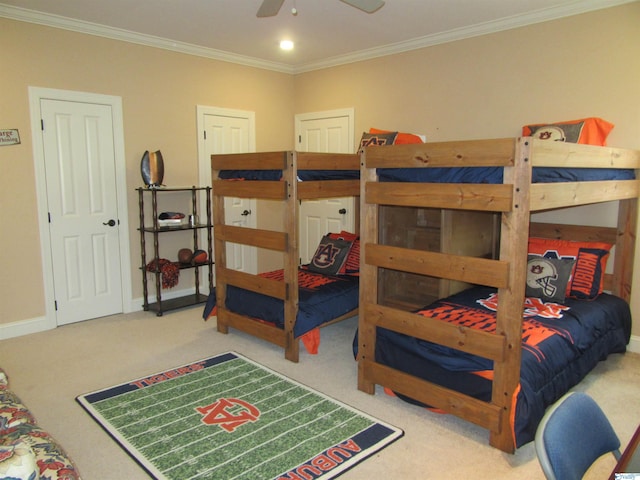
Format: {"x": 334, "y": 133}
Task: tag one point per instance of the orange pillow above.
{"x": 587, "y": 275}
{"x": 592, "y": 131}
{"x": 401, "y": 138}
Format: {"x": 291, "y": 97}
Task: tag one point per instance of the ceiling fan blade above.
{"x": 269, "y": 8}
{"x": 368, "y": 6}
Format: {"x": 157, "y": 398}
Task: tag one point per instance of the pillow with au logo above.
{"x": 587, "y": 277}
{"x": 330, "y": 255}
{"x": 547, "y": 278}
{"x": 592, "y": 131}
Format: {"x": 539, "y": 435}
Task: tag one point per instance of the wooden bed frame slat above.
{"x": 254, "y": 237}
{"x": 481, "y": 413}
{"x": 477, "y": 153}
{"x": 442, "y": 265}
{"x": 465, "y": 339}
{"x": 574, "y": 155}
{"x": 483, "y": 197}
{"x": 254, "y": 283}
{"x": 270, "y": 333}
{"x": 249, "y": 161}
{"x": 269, "y": 190}
{"x": 545, "y": 196}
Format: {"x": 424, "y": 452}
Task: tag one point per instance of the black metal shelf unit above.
{"x": 154, "y": 229}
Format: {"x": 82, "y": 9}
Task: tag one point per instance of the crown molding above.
{"x": 516, "y": 21}
{"x": 89, "y": 28}
{"x": 508, "y": 23}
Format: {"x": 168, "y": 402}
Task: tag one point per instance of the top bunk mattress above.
{"x": 495, "y": 174}
{"x": 303, "y": 175}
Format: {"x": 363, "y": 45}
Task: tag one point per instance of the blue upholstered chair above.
{"x": 572, "y": 435}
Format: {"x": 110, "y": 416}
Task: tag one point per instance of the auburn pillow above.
{"x": 547, "y": 278}
{"x": 330, "y": 255}
{"x": 592, "y": 131}
{"x": 352, "y": 264}
{"x": 377, "y": 139}
{"x": 401, "y": 138}
{"x": 587, "y": 275}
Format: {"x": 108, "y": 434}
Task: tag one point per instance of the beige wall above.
{"x": 489, "y": 86}
{"x": 586, "y": 65}
{"x": 160, "y": 91}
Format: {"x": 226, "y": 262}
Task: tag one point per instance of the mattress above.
{"x": 303, "y": 175}
{"x": 561, "y": 344}
{"x": 495, "y": 174}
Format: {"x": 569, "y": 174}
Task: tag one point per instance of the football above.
{"x": 199, "y": 256}
{"x": 185, "y": 255}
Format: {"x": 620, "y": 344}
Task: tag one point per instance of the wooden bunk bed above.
{"x": 513, "y": 201}
{"x": 290, "y": 191}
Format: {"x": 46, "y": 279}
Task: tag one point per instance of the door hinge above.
{"x": 55, "y": 304}
{"x": 205, "y": 134}
{"x": 42, "y": 124}
{"x": 299, "y": 138}
{"x": 49, "y": 216}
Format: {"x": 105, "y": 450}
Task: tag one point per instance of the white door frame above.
{"x": 36, "y": 94}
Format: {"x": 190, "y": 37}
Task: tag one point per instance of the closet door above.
{"x": 330, "y": 131}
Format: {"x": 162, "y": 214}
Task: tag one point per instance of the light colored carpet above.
{"x": 49, "y": 369}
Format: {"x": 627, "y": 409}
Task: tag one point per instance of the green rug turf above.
{"x": 228, "y": 417}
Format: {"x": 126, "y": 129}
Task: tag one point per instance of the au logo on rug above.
{"x": 229, "y": 413}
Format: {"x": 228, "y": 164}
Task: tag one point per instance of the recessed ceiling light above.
{"x": 286, "y": 45}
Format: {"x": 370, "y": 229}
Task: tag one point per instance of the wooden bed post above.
{"x": 625, "y": 248}
{"x": 513, "y": 247}
{"x": 368, "y": 276}
{"x": 291, "y": 257}
{"x": 220, "y": 251}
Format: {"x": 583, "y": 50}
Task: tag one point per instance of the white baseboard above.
{"x": 42, "y": 324}
{"x": 24, "y": 327}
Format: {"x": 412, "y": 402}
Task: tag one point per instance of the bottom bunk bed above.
{"x": 561, "y": 344}
{"x": 322, "y": 300}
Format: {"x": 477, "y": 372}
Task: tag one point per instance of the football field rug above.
{"x": 227, "y": 417}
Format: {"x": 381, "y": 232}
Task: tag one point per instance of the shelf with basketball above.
{"x": 166, "y": 272}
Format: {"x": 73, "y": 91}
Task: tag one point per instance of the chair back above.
{"x": 572, "y": 435}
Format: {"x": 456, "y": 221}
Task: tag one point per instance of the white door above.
{"x": 230, "y": 131}
{"x": 78, "y": 144}
{"x": 330, "y": 131}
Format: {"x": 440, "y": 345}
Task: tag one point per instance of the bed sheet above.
{"x": 561, "y": 344}
{"x": 322, "y": 298}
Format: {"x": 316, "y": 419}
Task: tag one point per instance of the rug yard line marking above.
{"x": 228, "y": 417}
{"x": 270, "y": 425}
{"x": 243, "y": 437}
{"x": 195, "y": 426}
{"x": 164, "y": 392}
{"x": 218, "y": 432}
{"x": 192, "y": 404}
{"x": 284, "y": 453}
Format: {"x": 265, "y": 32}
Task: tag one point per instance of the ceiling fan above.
{"x": 269, "y": 8}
